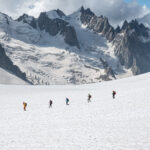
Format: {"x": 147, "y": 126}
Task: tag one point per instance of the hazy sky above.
{"x": 115, "y": 10}
{"x": 142, "y": 2}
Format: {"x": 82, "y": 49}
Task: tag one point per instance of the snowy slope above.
{"x": 48, "y": 59}
{"x": 103, "y": 124}
{"x": 8, "y": 78}
{"x": 10, "y": 29}
{"x": 53, "y": 14}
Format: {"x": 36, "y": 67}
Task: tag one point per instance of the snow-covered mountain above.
{"x": 104, "y": 124}
{"x": 8, "y": 78}
{"x": 78, "y": 48}
{"x": 8, "y": 65}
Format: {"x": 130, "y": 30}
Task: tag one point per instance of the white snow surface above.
{"x": 53, "y": 14}
{"x": 104, "y": 124}
{"x": 8, "y": 78}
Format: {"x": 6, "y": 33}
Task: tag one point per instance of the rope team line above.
{"x": 67, "y": 100}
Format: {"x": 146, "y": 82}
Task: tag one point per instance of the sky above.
{"x": 116, "y": 10}
{"x": 141, "y": 2}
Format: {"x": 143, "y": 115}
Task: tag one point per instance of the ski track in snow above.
{"x": 103, "y": 124}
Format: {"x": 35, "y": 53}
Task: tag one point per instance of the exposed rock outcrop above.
{"x": 98, "y": 24}
{"x": 28, "y": 19}
{"x": 132, "y": 51}
{"x": 55, "y": 26}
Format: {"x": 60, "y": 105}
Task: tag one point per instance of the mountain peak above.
{"x": 82, "y": 8}
{"x": 86, "y": 11}
{"x": 125, "y": 24}
{"x": 55, "y": 14}
{"x": 25, "y": 18}
{"x": 60, "y": 13}
{"x": 4, "y": 18}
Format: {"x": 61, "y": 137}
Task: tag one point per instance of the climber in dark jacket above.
{"x": 50, "y": 103}
{"x": 113, "y": 94}
{"x": 67, "y": 101}
{"x": 89, "y": 97}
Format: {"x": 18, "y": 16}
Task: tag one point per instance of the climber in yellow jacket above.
{"x": 24, "y": 106}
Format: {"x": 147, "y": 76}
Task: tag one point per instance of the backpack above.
{"x": 114, "y": 92}
{"x": 25, "y": 104}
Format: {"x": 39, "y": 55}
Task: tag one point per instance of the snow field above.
{"x": 103, "y": 124}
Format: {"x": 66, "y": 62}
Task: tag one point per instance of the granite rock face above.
{"x": 109, "y": 73}
{"x": 97, "y": 24}
{"x": 86, "y": 15}
{"x": 55, "y": 26}
{"x": 28, "y": 19}
{"x": 133, "y": 47}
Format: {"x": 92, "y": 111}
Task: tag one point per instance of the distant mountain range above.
{"x": 73, "y": 49}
